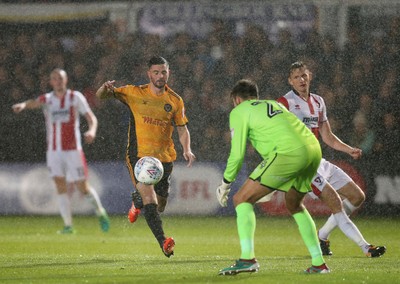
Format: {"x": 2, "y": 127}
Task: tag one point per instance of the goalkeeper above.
{"x": 291, "y": 156}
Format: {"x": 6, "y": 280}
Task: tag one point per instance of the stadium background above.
{"x": 352, "y": 49}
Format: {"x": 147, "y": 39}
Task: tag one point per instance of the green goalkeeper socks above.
{"x": 246, "y": 224}
{"x": 308, "y": 233}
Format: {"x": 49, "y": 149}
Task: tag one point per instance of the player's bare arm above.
{"x": 184, "y": 139}
{"x": 106, "y": 90}
{"x": 334, "y": 142}
{"x": 29, "y": 104}
{"x": 90, "y": 135}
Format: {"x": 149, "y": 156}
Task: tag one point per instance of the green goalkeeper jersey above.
{"x": 269, "y": 126}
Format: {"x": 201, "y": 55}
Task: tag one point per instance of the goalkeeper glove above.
{"x": 223, "y": 192}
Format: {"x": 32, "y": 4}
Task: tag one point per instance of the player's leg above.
{"x": 64, "y": 203}
{"x": 137, "y": 202}
{"x": 150, "y": 196}
{"x": 56, "y": 166}
{"x": 162, "y": 188}
{"x": 91, "y": 195}
{"x": 339, "y": 181}
{"x": 307, "y": 169}
{"x": 351, "y": 194}
{"x": 153, "y": 218}
{"x": 340, "y": 218}
{"x": 243, "y": 200}
{"x": 330, "y": 197}
{"x": 319, "y": 182}
{"x": 307, "y": 230}
{"x": 327, "y": 195}
{"x": 162, "y": 203}
{"x": 78, "y": 173}
{"x": 93, "y": 198}
{"x": 136, "y": 207}
{"x": 261, "y": 182}
{"x": 319, "y": 185}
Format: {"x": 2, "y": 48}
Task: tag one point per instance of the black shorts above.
{"x": 162, "y": 188}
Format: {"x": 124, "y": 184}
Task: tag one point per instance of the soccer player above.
{"x": 62, "y": 108}
{"x": 291, "y": 155}
{"x": 311, "y": 110}
{"x": 155, "y": 109}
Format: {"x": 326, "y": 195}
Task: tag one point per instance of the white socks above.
{"x": 348, "y": 207}
{"x": 331, "y": 223}
{"x": 348, "y": 228}
{"x": 94, "y": 199}
{"x": 65, "y": 208}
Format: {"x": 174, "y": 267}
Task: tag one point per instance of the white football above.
{"x": 149, "y": 170}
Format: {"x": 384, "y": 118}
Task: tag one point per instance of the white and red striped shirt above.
{"x": 62, "y": 119}
{"x": 311, "y": 112}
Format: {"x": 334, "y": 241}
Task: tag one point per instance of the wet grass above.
{"x": 32, "y": 252}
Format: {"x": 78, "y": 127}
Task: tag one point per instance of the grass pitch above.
{"x": 32, "y": 252}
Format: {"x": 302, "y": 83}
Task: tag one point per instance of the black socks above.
{"x": 154, "y": 222}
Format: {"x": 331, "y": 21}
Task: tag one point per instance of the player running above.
{"x": 291, "y": 155}
{"x": 311, "y": 110}
{"x": 65, "y": 158}
{"x": 155, "y": 109}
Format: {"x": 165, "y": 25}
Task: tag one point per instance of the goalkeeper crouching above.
{"x": 291, "y": 155}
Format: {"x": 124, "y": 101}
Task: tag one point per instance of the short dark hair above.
{"x": 245, "y": 89}
{"x": 296, "y": 65}
{"x": 157, "y": 60}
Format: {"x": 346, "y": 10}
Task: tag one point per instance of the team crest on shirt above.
{"x": 167, "y": 107}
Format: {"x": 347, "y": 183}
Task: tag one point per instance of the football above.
{"x": 149, "y": 170}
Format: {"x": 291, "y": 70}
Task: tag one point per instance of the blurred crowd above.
{"x": 359, "y": 83}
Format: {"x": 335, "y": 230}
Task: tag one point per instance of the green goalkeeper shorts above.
{"x": 290, "y": 170}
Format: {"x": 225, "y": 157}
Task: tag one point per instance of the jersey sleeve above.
{"x": 283, "y": 101}
{"x": 323, "y": 115}
{"x": 180, "y": 118}
{"x": 82, "y": 104}
{"x": 239, "y": 131}
{"x": 41, "y": 99}
{"x": 121, "y": 93}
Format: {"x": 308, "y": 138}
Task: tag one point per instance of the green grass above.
{"x": 32, "y": 252}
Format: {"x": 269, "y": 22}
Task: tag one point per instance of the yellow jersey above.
{"x": 152, "y": 121}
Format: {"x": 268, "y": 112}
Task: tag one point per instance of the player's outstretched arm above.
{"x": 106, "y": 90}
{"x": 29, "y": 104}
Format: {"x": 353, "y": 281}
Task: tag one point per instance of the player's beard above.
{"x": 160, "y": 84}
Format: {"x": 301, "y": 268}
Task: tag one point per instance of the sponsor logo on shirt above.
{"x": 310, "y": 119}
{"x": 153, "y": 121}
{"x": 60, "y": 115}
